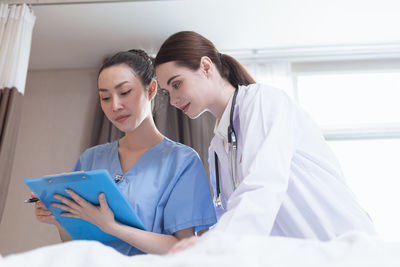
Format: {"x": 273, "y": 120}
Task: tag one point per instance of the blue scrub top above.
{"x": 167, "y": 187}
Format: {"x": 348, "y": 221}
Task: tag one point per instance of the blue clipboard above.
{"x": 88, "y": 185}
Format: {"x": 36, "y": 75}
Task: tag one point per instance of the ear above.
{"x": 152, "y": 89}
{"x": 206, "y": 66}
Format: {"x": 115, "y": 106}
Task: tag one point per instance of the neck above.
{"x": 143, "y": 137}
{"x": 223, "y": 92}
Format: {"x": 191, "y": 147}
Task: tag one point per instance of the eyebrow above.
{"x": 116, "y": 87}
{"x": 170, "y": 79}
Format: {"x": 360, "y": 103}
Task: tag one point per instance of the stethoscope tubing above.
{"x": 232, "y": 140}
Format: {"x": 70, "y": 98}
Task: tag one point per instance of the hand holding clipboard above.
{"x": 85, "y": 188}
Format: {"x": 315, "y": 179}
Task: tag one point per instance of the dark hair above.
{"x": 137, "y": 60}
{"x": 186, "y": 48}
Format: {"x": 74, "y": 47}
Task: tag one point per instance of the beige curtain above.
{"x": 177, "y": 126}
{"x": 10, "y": 112}
{"x": 103, "y": 130}
{"x": 16, "y": 25}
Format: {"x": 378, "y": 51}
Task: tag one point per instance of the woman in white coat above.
{"x": 283, "y": 179}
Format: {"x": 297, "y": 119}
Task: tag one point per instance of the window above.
{"x": 357, "y": 106}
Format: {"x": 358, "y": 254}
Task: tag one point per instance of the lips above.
{"x": 121, "y": 118}
{"x": 185, "y": 108}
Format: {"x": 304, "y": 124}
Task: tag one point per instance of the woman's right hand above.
{"x": 183, "y": 244}
{"x": 42, "y": 213}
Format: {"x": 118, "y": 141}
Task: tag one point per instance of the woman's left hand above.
{"x": 101, "y": 215}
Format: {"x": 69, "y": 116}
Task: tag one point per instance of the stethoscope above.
{"x": 232, "y": 141}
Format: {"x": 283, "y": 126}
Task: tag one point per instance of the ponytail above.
{"x": 234, "y": 71}
{"x": 186, "y": 48}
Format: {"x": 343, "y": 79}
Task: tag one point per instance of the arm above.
{"x": 268, "y": 135}
{"x": 63, "y": 234}
{"x": 149, "y": 242}
{"x": 103, "y": 217}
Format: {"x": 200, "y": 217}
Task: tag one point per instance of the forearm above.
{"x": 63, "y": 234}
{"x": 147, "y": 242}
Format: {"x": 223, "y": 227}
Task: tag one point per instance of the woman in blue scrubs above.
{"x": 164, "y": 181}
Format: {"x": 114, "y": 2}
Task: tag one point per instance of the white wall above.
{"x": 57, "y": 114}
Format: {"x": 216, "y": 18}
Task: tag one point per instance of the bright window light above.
{"x": 342, "y": 101}
{"x": 371, "y": 171}
{"x": 349, "y": 99}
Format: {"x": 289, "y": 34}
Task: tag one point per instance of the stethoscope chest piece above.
{"x": 218, "y": 201}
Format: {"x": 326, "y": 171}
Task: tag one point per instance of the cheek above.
{"x": 105, "y": 107}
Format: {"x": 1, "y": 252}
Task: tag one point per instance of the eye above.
{"x": 164, "y": 92}
{"x": 176, "y": 85}
{"x": 126, "y": 92}
{"x": 105, "y": 98}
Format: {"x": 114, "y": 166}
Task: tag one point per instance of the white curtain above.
{"x": 16, "y": 26}
{"x": 276, "y": 73}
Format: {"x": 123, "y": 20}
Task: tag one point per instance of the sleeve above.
{"x": 268, "y": 136}
{"x": 84, "y": 161}
{"x": 78, "y": 165}
{"x": 190, "y": 202}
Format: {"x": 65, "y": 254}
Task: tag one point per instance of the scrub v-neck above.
{"x": 139, "y": 159}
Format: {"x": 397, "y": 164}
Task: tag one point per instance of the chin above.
{"x": 196, "y": 115}
{"x": 122, "y": 129}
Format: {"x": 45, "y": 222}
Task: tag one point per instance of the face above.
{"x": 187, "y": 89}
{"x": 123, "y": 99}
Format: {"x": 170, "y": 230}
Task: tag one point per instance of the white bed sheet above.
{"x": 217, "y": 249}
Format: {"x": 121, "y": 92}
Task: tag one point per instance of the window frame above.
{"x": 357, "y": 132}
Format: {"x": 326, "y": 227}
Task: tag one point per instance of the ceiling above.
{"x": 81, "y": 35}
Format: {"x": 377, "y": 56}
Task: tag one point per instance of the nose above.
{"x": 173, "y": 100}
{"x": 116, "y": 104}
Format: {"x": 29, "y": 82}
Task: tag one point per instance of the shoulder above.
{"x": 99, "y": 150}
{"x": 263, "y": 99}
{"x": 177, "y": 149}
{"x": 252, "y": 92}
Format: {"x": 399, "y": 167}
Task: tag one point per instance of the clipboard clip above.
{"x": 118, "y": 178}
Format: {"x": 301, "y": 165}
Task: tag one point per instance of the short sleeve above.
{"x": 190, "y": 202}
{"x": 78, "y": 165}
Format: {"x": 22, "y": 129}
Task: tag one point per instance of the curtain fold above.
{"x": 174, "y": 124}
{"x": 16, "y": 26}
{"x": 103, "y": 130}
{"x": 10, "y": 113}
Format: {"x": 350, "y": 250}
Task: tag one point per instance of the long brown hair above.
{"x": 186, "y": 48}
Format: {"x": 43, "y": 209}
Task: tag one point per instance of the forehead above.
{"x": 167, "y": 70}
{"x": 115, "y": 74}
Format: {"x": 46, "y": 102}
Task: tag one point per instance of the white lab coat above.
{"x": 290, "y": 181}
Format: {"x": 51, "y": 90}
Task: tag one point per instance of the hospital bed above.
{"x": 218, "y": 249}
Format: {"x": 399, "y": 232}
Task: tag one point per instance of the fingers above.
{"x": 68, "y": 214}
{"x": 71, "y": 206}
{"x": 68, "y": 202}
{"x": 63, "y": 207}
{"x": 103, "y": 201}
{"x": 33, "y": 194}
{"x": 40, "y": 205}
{"x": 78, "y": 199}
{"x": 183, "y": 244}
{"x": 43, "y": 214}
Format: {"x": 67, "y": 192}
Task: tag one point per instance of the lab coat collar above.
{"x": 221, "y": 126}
